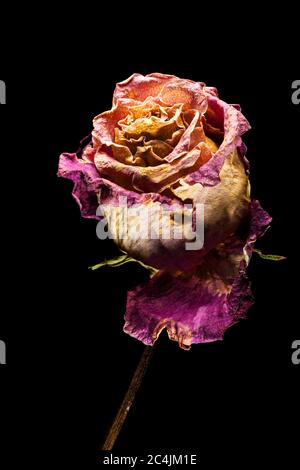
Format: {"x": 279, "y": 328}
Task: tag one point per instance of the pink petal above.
{"x": 197, "y": 308}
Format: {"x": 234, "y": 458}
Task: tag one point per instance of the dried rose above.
{"x": 168, "y": 142}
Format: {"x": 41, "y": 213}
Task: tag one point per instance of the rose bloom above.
{"x": 169, "y": 141}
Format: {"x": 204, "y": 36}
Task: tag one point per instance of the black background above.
{"x": 69, "y": 363}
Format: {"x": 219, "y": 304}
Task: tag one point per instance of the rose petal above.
{"x": 105, "y": 124}
{"x": 185, "y": 140}
{"x": 139, "y": 87}
{"x": 86, "y": 182}
{"x": 168, "y": 88}
{"x": 149, "y": 179}
{"x": 235, "y": 125}
{"x": 197, "y": 308}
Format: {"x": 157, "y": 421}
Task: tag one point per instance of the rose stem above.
{"x": 129, "y": 397}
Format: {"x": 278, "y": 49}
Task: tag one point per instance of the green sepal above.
{"x": 120, "y": 261}
{"x": 269, "y": 257}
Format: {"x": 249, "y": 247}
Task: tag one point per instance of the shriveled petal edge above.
{"x": 90, "y": 189}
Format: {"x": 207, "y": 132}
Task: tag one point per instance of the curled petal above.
{"x": 152, "y": 127}
{"x": 147, "y": 155}
{"x": 122, "y": 153}
{"x": 235, "y": 125}
{"x": 105, "y": 124}
{"x": 139, "y": 87}
{"x": 185, "y": 140}
{"x": 190, "y": 93}
{"x": 175, "y": 138}
{"x": 86, "y": 181}
{"x": 170, "y": 89}
{"x": 150, "y": 178}
{"x": 160, "y": 147}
